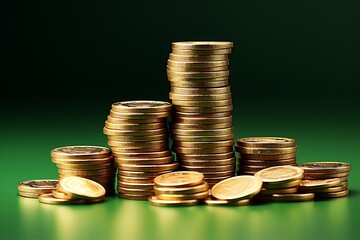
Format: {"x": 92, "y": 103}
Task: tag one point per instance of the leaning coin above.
{"x": 279, "y": 174}
{"x": 82, "y": 187}
{"x": 38, "y": 186}
{"x": 50, "y": 199}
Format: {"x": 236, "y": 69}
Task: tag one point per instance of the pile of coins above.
{"x": 35, "y": 188}
{"x": 74, "y": 190}
{"x": 201, "y": 126}
{"x": 325, "y": 179}
{"x": 234, "y": 191}
{"x": 92, "y": 162}
{"x": 137, "y": 132}
{"x": 257, "y": 153}
{"x": 281, "y": 183}
{"x": 183, "y": 188}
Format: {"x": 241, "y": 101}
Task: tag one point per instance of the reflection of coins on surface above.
{"x": 50, "y": 199}
{"x": 339, "y": 194}
{"x": 236, "y": 188}
{"x": 82, "y": 187}
{"x": 179, "y": 179}
{"x": 293, "y": 197}
{"x": 280, "y": 174}
{"x": 80, "y": 152}
{"x": 266, "y": 142}
{"x": 210, "y": 201}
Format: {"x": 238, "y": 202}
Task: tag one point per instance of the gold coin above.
{"x": 179, "y": 76}
{"x": 80, "y": 152}
{"x": 29, "y": 194}
{"x": 198, "y": 58}
{"x": 183, "y": 126}
{"x": 179, "y": 179}
{"x": 197, "y": 69}
{"x": 135, "y": 126}
{"x": 325, "y": 167}
{"x": 265, "y": 191}
{"x": 84, "y": 161}
{"x": 50, "y": 199}
{"x": 328, "y": 190}
{"x": 193, "y": 98}
{"x": 108, "y": 131}
{"x": 130, "y": 144}
{"x": 86, "y": 173}
{"x": 131, "y": 185}
{"x": 217, "y": 202}
{"x": 187, "y": 150}
{"x": 199, "y": 195}
{"x": 280, "y": 174}
{"x": 203, "y": 138}
{"x": 205, "y": 121}
{"x": 214, "y": 83}
{"x": 237, "y": 188}
{"x": 144, "y": 149}
{"x": 310, "y": 185}
{"x": 153, "y": 200}
{"x": 210, "y": 176}
{"x": 227, "y": 143}
{"x": 209, "y": 156}
{"x": 204, "y": 110}
{"x": 135, "y": 179}
{"x": 339, "y": 194}
{"x": 136, "y": 155}
{"x": 133, "y": 196}
{"x": 141, "y": 174}
{"x": 145, "y": 161}
{"x": 181, "y": 190}
{"x": 86, "y": 166}
{"x": 202, "y": 52}
{"x": 179, "y": 114}
{"x": 145, "y": 138}
{"x": 267, "y": 163}
{"x": 266, "y": 142}
{"x": 203, "y": 104}
{"x": 266, "y": 151}
{"x": 197, "y": 64}
{"x": 267, "y": 157}
{"x": 149, "y": 168}
{"x": 58, "y": 194}
{"x": 144, "y": 192}
{"x": 209, "y": 168}
{"x": 192, "y": 162}
{"x": 141, "y": 106}
{"x": 290, "y": 184}
{"x": 193, "y": 132}
{"x": 129, "y": 115}
{"x": 81, "y": 187}
{"x": 293, "y": 197}
{"x": 37, "y": 186}
{"x": 204, "y": 45}
{"x": 134, "y": 121}
{"x": 200, "y": 91}
{"x": 325, "y": 175}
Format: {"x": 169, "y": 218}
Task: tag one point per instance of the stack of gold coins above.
{"x": 257, "y": 153}
{"x": 183, "y": 188}
{"x": 201, "y": 127}
{"x": 74, "y": 190}
{"x": 326, "y": 179}
{"x": 138, "y": 135}
{"x": 235, "y": 191}
{"x": 35, "y": 188}
{"x": 92, "y": 162}
{"x": 281, "y": 183}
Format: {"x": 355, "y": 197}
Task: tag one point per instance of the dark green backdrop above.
{"x": 294, "y": 72}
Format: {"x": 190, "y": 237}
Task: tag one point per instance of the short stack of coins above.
{"x": 325, "y": 179}
{"x": 183, "y": 188}
{"x": 257, "y": 153}
{"x": 201, "y": 126}
{"x": 35, "y": 188}
{"x": 234, "y": 191}
{"x": 137, "y": 132}
{"x": 92, "y": 162}
{"x": 74, "y": 190}
{"x": 281, "y": 183}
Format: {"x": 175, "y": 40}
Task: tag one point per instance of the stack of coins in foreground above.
{"x": 74, "y": 190}
{"x": 281, "y": 183}
{"x": 138, "y": 135}
{"x": 35, "y": 188}
{"x": 183, "y": 188}
{"x": 201, "y": 126}
{"x": 92, "y": 162}
{"x": 234, "y": 191}
{"x": 325, "y": 179}
{"x": 257, "y": 153}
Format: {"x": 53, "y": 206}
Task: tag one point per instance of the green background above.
{"x": 294, "y": 73}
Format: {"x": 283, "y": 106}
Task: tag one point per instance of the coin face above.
{"x": 80, "y": 152}
{"x": 280, "y": 173}
{"x": 180, "y": 178}
{"x": 202, "y": 45}
{"x": 83, "y": 187}
{"x": 269, "y": 142}
{"x": 41, "y": 185}
{"x": 142, "y": 106}
{"x": 236, "y": 188}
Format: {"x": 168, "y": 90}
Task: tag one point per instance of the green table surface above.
{"x": 25, "y": 155}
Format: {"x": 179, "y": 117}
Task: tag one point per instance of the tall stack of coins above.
{"x": 257, "y": 153}
{"x": 201, "y": 127}
{"x": 92, "y": 162}
{"x": 326, "y": 179}
{"x": 138, "y": 135}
